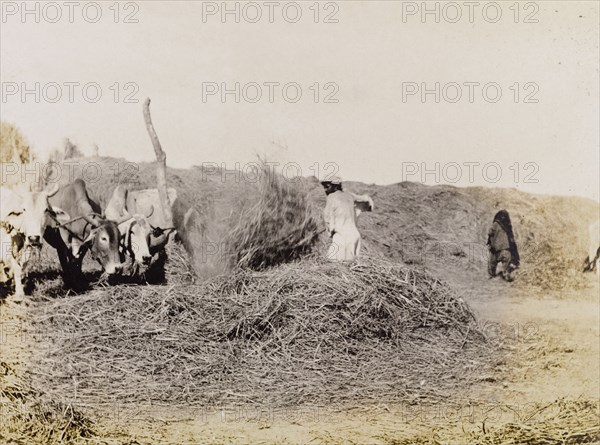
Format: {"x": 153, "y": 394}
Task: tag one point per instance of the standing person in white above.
{"x": 341, "y": 212}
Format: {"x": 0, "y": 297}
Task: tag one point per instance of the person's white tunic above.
{"x": 340, "y": 218}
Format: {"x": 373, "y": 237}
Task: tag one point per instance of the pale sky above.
{"x": 371, "y": 133}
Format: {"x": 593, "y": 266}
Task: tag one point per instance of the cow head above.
{"x": 134, "y": 229}
{"x": 31, "y": 218}
{"x": 103, "y": 244}
{"x": 136, "y": 237}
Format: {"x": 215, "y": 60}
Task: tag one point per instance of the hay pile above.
{"x": 444, "y": 229}
{"x": 306, "y": 332}
{"x": 280, "y": 227}
{"x": 39, "y": 422}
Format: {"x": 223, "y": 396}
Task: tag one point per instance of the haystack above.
{"x": 304, "y": 332}
{"x": 444, "y": 229}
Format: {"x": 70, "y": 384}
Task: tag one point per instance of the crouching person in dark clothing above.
{"x": 504, "y": 255}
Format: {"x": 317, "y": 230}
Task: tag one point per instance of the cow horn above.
{"x": 126, "y": 217}
{"x": 90, "y": 219}
{"x": 149, "y": 214}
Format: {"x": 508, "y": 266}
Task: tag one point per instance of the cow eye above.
{"x": 103, "y": 238}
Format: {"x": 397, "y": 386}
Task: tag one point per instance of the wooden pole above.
{"x": 161, "y": 167}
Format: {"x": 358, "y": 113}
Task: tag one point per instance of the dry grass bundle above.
{"x": 281, "y": 227}
{"x": 26, "y": 419}
{"x": 178, "y": 267}
{"x": 551, "y": 265}
{"x": 568, "y": 422}
{"x": 305, "y": 332}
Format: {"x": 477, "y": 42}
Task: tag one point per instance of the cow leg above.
{"x": 65, "y": 265}
{"x": 76, "y": 280}
{"x": 156, "y": 272}
{"x": 18, "y": 279}
{"x": 24, "y": 262}
{"x": 5, "y": 278}
{"x": 55, "y": 239}
{"x": 71, "y": 267}
{"x": 587, "y": 265}
{"x": 5, "y": 275}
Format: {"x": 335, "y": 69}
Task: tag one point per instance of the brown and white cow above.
{"x": 86, "y": 231}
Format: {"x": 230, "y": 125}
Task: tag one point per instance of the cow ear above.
{"x": 14, "y": 218}
{"x": 85, "y": 245}
{"x": 125, "y": 230}
{"x": 159, "y": 242}
{"x": 60, "y": 215}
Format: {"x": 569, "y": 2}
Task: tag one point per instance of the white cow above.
{"x": 23, "y": 219}
{"x": 134, "y": 228}
{"x": 593, "y": 260}
{"x": 341, "y": 212}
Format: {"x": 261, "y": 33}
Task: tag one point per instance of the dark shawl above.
{"x": 503, "y": 221}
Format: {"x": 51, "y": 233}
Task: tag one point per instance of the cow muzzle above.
{"x": 114, "y": 269}
{"x": 34, "y": 241}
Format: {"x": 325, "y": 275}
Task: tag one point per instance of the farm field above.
{"x": 413, "y": 344}
{"x": 300, "y": 223}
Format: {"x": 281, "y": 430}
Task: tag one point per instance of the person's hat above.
{"x": 335, "y": 180}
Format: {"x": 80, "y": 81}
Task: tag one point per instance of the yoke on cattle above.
{"x": 64, "y": 224}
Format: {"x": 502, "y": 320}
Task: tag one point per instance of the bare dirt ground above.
{"x": 551, "y": 350}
